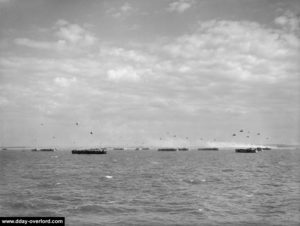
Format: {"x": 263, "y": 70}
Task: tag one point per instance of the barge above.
{"x": 43, "y": 149}
{"x": 167, "y": 149}
{"x": 208, "y": 149}
{"x": 89, "y": 151}
{"x": 183, "y": 149}
{"x": 118, "y": 149}
{"x": 246, "y": 150}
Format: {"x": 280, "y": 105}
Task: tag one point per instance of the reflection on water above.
{"x": 153, "y": 188}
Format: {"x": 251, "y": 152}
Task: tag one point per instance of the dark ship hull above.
{"x": 246, "y": 150}
{"x": 89, "y": 151}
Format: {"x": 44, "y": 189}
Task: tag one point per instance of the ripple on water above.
{"x": 228, "y": 170}
{"x": 30, "y": 204}
{"x": 194, "y": 181}
{"x": 108, "y": 208}
{"x": 148, "y": 188}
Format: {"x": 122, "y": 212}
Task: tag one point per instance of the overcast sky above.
{"x": 141, "y": 72}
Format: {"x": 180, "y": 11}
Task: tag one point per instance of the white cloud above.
{"x": 33, "y": 44}
{"x": 179, "y": 6}
{"x": 222, "y": 70}
{"x": 127, "y": 54}
{"x": 289, "y": 21}
{"x": 74, "y": 34}
{"x": 3, "y": 101}
{"x": 126, "y": 7}
{"x": 64, "y": 82}
{"x": 238, "y": 50}
{"x": 123, "y": 11}
{"x": 70, "y": 37}
{"x": 67, "y": 66}
{"x": 123, "y": 74}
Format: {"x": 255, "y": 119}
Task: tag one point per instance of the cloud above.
{"x": 219, "y": 74}
{"x": 64, "y": 82}
{"x": 123, "y": 74}
{"x": 33, "y": 44}
{"x": 121, "y": 12}
{"x": 289, "y": 21}
{"x": 179, "y": 6}
{"x": 126, "y": 7}
{"x": 69, "y": 37}
{"x": 127, "y": 54}
{"x": 74, "y": 34}
{"x": 3, "y": 101}
{"x": 244, "y": 50}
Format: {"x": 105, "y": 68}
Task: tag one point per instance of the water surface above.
{"x": 153, "y": 188}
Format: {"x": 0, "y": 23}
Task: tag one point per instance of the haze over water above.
{"x": 153, "y": 188}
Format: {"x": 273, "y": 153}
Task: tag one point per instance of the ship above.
{"x": 167, "y": 149}
{"x": 259, "y": 149}
{"x": 208, "y": 149}
{"x": 89, "y": 151}
{"x": 183, "y": 149}
{"x": 118, "y": 149}
{"x": 43, "y": 149}
{"x": 246, "y": 150}
{"x": 142, "y": 148}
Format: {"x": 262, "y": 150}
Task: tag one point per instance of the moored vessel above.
{"x": 89, "y": 151}
{"x": 183, "y": 149}
{"x": 246, "y": 150}
{"x": 118, "y": 149}
{"x": 43, "y": 149}
{"x": 208, "y": 149}
{"x": 167, "y": 149}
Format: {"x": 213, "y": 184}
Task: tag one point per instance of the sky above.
{"x": 138, "y": 72}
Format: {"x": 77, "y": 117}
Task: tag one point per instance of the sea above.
{"x": 148, "y": 187}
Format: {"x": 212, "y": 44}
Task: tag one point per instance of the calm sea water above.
{"x": 153, "y": 188}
